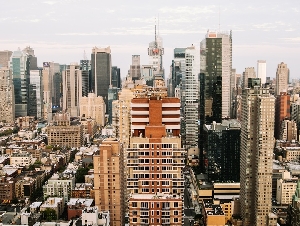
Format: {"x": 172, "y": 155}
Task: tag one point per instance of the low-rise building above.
{"x": 213, "y": 213}
{"x": 21, "y": 158}
{"x": 54, "y": 203}
{"x": 92, "y": 216}
{"x": 59, "y": 186}
{"x": 75, "y": 207}
{"x": 286, "y": 187}
{"x": 7, "y": 189}
{"x": 82, "y": 190}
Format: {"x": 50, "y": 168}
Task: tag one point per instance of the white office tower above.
{"x": 190, "y": 95}
{"x": 7, "y": 100}
{"x": 155, "y": 52}
{"x": 256, "y": 162}
{"x": 72, "y": 89}
{"x": 262, "y": 71}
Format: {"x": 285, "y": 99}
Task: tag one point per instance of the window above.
{"x": 134, "y": 219}
{"x": 134, "y": 204}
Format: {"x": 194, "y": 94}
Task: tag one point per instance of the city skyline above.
{"x": 61, "y": 31}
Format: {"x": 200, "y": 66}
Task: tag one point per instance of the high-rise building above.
{"x": 85, "y": 74}
{"x": 35, "y": 94}
{"x": 101, "y": 71}
{"x": 282, "y": 111}
{"x": 155, "y": 52}
{"x": 222, "y": 148}
{"x": 115, "y": 77}
{"x": 147, "y": 74}
{"x": 109, "y": 180}
{"x": 112, "y": 95}
{"x": 31, "y": 58}
{"x": 256, "y": 161}
{"x": 135, "y": 68}
{"x": 5, "y": 58}
{"x": 7, "y": 100}
{"x": 155, "y": 181}
{"x": 93, "y": 107}
{"x": 282, "y": 75}
{"x": 248, "y": 73}
{"x": 51, "y": 87}
{"x": 262, "y": 71}
{"x": 72, "y": 89}
{"x": 190, "y": 97}
{"x": 19, "y": 66}
{"x": 216, "y": 66}
{"x": 288, "y": 131}
{"x": 121, "y": 116}
{"x": 177, "y": 69}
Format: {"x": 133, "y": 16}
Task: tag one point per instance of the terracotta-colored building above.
{"x": 75, "y": 207}
{"x": 155, "y": 162}
{"x": 282, "y": 111}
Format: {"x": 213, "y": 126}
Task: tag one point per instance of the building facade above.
{"x": 72, "y": 89}
{"x": 216, "y": 65}
{"x": 109, "y": 180}
{"x": 223, "y": 150}
{"x": 93, "y": 107}
{"x": 155, "y": 181}
{"x": 262, "y": 71}
{"x": 7, "y": 102}
{"x": 256, "y": 161}
{"x": 101, "y": 71}
{"x": 282, "y": 111}
{"x": 282, "y": 75}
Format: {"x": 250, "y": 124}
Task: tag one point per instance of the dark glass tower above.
{"x": 222, "y": 148}
{"x": 115, "y": 77}
{"x": 101, "y": 72}
{"x": 85, "y": 73}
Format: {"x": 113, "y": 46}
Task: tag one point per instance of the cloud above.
{"x": 50, "y": 2}
{"x": 189, "y": 10}
{"x": 34, "y": 20}
{"x": 294, "y": 39}
{"x": 80, "y": 34}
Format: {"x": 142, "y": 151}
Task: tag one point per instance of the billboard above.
{"x": 46, "y": 64}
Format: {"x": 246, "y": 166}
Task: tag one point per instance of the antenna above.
{"x": 155, "y": 40}
{"x": 84, "y": 55}
{"x": 158, "y": 24}
{"x": 219, "y": 18}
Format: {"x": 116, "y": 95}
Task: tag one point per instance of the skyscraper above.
{"x": 262, "y": 71}
{"x": 248, "y": 73}
{"x": 135, "y": 68}
{"x": 7, "y": 100}
{"x": 155, "y": 52}
{"x": 72, "y": 89}
{"x": 216, "y": 65}
{"x": 35, "y": 94}
{"x": 31, "y": 58}
{"x": 85, "y": 73}
{"x": 177, "y": 68}
{"x": 5, "y": 58}
{"x": 155, "y": 162}
{"x": 109, "y": 182}
{"x": 115, "y": 77}
{"x": 101, "y": 71}
{"x": 282, "y": 111}
{"x": 190, "y": 96}
{"x": 19, "y": 66}
{"x": 223, "y": 150}
{"x": 256, "y": 161}
{"x": 282, "y": 75}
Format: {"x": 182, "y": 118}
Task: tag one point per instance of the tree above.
{"x": 80, "y": 173}
{"x": 49, "y": 214}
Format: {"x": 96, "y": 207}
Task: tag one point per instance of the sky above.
{"x": 62, "y": 30}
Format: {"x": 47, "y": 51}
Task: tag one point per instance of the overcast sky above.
{"x": 61, "y": 30}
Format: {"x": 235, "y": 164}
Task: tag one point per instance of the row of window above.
{"x": 158, "y": 146}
